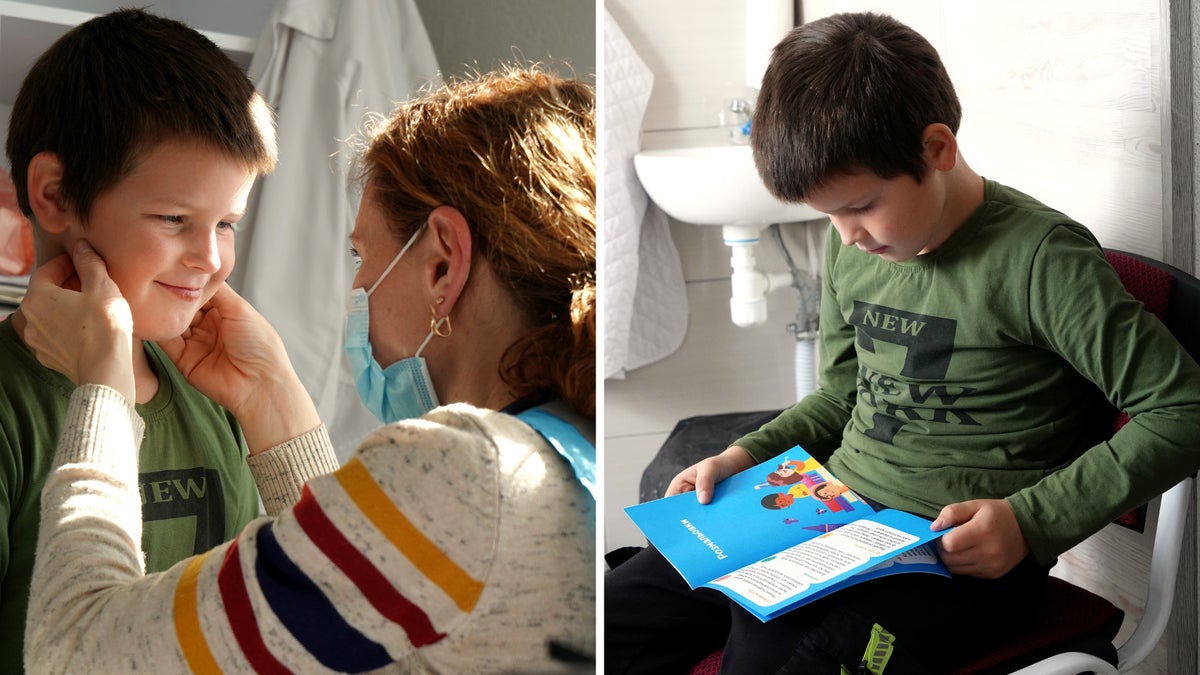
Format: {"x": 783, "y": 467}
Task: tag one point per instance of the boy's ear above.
{"x": 449, "y": 261}
{"x": 940, "y": 147}
{"x": 44, "y": 184}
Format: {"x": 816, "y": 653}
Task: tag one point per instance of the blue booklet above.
{"x": 784, "y": 533}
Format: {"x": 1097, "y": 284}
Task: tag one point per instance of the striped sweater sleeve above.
{"x": 349, "y": 579}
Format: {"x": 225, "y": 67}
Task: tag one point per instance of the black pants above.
{"x": 654, "y": 623}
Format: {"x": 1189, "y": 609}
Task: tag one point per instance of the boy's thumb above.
{"x": 947, "y": 517}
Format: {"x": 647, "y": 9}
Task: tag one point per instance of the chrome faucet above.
{"x": 738, "y": 116}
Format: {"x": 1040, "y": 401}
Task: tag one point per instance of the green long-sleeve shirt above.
{"x": 976, "y": 371}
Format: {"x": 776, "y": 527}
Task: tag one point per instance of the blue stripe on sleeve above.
{"x": 309, "y": 615}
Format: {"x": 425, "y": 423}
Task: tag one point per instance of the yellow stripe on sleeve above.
{"x": 187, "y": 621}
{"x": 423, "y": 553}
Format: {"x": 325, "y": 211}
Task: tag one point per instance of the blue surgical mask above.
{"x": 401, "y": 391}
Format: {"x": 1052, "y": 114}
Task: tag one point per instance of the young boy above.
{"x": 140, "y": 135}
{"x": 968, "y": 333}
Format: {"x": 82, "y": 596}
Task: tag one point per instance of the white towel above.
{"x": 645, "y": 304}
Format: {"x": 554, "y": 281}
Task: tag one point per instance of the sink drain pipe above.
{"x": 748, "y": 303}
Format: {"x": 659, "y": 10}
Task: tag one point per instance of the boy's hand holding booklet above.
{"x": 784, "y": 533}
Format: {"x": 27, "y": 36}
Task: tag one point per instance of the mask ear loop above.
{"x": 433, "y": 330}
{"x": 395, "y": 260}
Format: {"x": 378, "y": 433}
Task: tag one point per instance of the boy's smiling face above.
{"x": 165, "y": 232}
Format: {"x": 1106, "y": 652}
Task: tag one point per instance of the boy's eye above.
{"x": 227, "y": 225}
{"x": 174, "y": 220}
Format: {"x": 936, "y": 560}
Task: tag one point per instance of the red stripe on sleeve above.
{"x": 374, "y": 584}
{"x": 241, "y": 617}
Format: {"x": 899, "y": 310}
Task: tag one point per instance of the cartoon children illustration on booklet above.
{"x": 806, "y": 479}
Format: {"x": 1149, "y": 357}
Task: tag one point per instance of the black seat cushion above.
{"x": 693, "y": 439}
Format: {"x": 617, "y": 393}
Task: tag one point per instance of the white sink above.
{"x": 713, "y": 185}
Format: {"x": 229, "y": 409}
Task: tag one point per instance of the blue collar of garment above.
{"x": 568, "y": 441}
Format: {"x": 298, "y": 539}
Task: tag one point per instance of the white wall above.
{"x": 694, "y": 48}
{"x": 475, "y": 33}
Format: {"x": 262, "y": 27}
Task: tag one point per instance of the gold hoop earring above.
{"x": 436, "y": 325}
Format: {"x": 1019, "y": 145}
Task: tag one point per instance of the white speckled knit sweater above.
{"x": 456, "y": 543}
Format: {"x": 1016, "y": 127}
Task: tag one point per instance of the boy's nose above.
{"x": 850, "y": 233}
{"x": 203, "y": 252}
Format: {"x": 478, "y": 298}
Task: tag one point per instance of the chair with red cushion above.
{"x": 1174, "y": 297}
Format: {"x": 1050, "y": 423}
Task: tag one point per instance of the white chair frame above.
{"x": 1169, "y": 534}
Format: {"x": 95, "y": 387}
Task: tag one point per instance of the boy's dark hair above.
{"x": 118, "y": 85}
{"x": 845, "y": 93}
